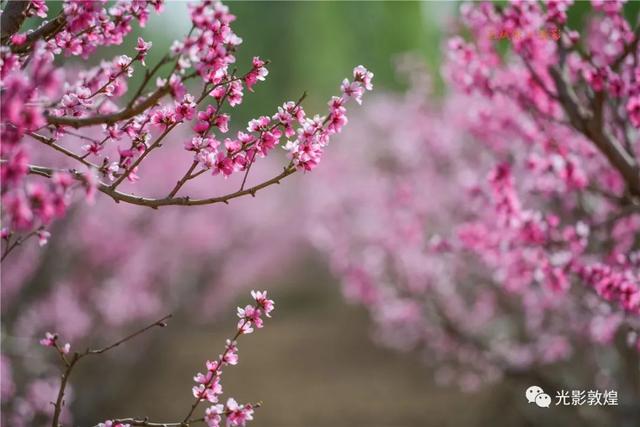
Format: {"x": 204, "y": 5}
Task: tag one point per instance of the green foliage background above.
{"x": 312, "y": 46}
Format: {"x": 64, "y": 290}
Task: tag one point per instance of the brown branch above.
{"x": 13, "y": 15}
{"x": 187, "y": 201}
{"x": 170, "y": 200}
{"x": 538, "y": 79}
{"x": 591, "y": 125}
{"x": 109, "y": 119}
{"x": 157, "y": 143}
{"x": 246, "y": 174}
{"x": 187, "y": 176}
{"x": 629, "y": 48}
{"x": 144, "y": 422}
{"x": 63, "y": 385}
{"x": 69, "y": 365}
{"x": 159, "y": 323}
{"x": 20, "y": 240}
{"x": 51, "y": 143}
{"x": 46, "y": 31}
{"x": 126, "y": 113}
{"x": 167, "y": 201}
{"x": 147, "y": 77}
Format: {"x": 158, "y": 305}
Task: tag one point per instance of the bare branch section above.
{"x": 77, "y": 356}
{"x": 119, "y": 196}
{"x": 158, "y": 323}
{"x": 13, "y": 244}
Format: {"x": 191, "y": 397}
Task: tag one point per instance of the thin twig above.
{"x": 77, "y": 356}
{"x": 187, "y": 176}
{"x": 157, "y": 143}
{"x": 51, "y": 143}
{"x": 147, "y": 77}
{"x": 144, "y": 422}
{"x": 20, "y": 240}
{"x": 160, "y": 323}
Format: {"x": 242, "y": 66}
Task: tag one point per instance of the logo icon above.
{"x": 536, "y": 394}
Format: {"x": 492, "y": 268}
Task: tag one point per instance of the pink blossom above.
{"x": 143, "y": 47}
{"x": 250, "y": 314}
{"x": 633, "y": 109}
{"x": 43, "y": 237}
{"x": 213, "y": 415}
{"x": 263, "y": 302}
{"x": 163, "y": 118}
{"x": 186, "y": 108}
{"x": 238, "y": 415}
{"x": 364, "y": 76}
{"x": 113, "y": 424}
{"x": 353, "y": 90}
{"x": 223, "y": 164}
{"x": 244, "y": 327}
{"x": 469, "y": 213}
{"x": 222, "y": 123}
{"x": 258, "y": 73}
{"x": 209, "y": 391}
{"x": 18, "y": 39}
{"x": 49, "y": 340}
{"x": 38, "y": 8}
{"x": 231, "y": 353}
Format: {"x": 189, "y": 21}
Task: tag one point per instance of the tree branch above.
{"x": 631, "y": 47}
{"x": 69, "y": 365}
{"x": 13, "y": 15}
{"x": 109, "y": 119}
{"x": 63, "y": 385}
{"x": 20, "y": 240}
{"x": 144, "y": 422}
{"x": 167, "y": 201}
{"x": 44, "y": 32}
{"x": 591, "y": 125}
{"x": 159, "y": 323}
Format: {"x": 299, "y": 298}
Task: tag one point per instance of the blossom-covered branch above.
{"x": 209, "y": 386}
{"x": 591, "y": 81}
{"x": 41, "y": 105}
